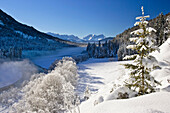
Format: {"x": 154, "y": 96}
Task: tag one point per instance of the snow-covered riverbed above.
{"x": 46, "y": 60}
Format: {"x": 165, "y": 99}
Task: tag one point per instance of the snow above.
{"x": 90, "y": 38}
{"x": 101, "y": 75}
{"x": 105, "y": 76}
{"x": 131, "y": 46}
{"x": 12, "y": 71}
{"x": 153, "y": 103}
{"x": 25, "y": 35}
{"x": 93, "y": 38}
{"x": 164, "y": 54}
{"x": 94, "y": 73}
{"x": 8, "y": 77}
{"x": 164, "y": 61}
{"x": 149, "y": 29}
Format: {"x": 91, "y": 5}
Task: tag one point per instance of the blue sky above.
{"x": 82, "y": 17}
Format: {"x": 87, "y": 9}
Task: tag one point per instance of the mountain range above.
{"x": 71, "y": 38}
{"x": 88, "y": 38}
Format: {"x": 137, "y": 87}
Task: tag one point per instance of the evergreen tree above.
{"x": 140, "y": 79}
{"x": 99, "y": 50}
{"x": 160, "y": 25}
{"x": 88, "y": 47}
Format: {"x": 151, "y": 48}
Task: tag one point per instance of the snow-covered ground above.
{"x": 46, "y": 60}
{"x": 152, "y": 103}
{"x": 96, "y": 73}
{"x": 101, "y": 75}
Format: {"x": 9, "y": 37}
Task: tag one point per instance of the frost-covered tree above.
{"x": 140, "y": 79}
{"x": 49, "y": 93}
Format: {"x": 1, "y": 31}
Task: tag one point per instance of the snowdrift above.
{"x": 151, "y": 103}
{"x": 164, "y": 54}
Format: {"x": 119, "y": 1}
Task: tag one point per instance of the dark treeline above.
{"x": 101, "y": 50}
{"x": 11, "y": 53}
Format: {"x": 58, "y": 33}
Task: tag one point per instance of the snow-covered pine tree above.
{"x": 140, "y": 79}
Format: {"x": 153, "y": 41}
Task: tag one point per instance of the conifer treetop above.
{"x": 142, "y": 18}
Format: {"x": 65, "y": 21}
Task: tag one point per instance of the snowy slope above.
{"x": 164, "y": 54}
{"x": 95, "y": 73}
{"x": 12, "y": 71}
{"x": 103, "y": 76}
{"x": 152, "y": 103}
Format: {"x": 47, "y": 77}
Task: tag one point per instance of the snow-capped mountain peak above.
{"x": 73, "y": 38}
{"x": 93, "y": 37}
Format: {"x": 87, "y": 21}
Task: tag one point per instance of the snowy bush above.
{"x": 52, "y": 92}
{"x": 121, "y": 93}
{"x": 68, "y": 69}
{"x": 10, "y": 96}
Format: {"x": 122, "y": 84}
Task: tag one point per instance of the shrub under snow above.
{"x": 52, "y": 92}
{"x": 121, "y": 93}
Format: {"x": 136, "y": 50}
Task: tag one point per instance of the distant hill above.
{"x": 15, "y": 34}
